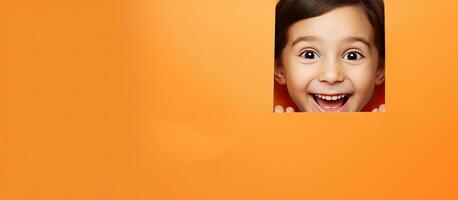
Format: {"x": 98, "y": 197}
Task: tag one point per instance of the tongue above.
{"x": 330, "y": 104}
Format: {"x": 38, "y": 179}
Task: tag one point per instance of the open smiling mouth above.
{"x": 331, "y": 103}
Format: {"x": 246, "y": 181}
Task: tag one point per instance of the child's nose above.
{"x": 331, "y": 73}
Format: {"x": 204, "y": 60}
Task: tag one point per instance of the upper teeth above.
{"x": 327, "y": 97}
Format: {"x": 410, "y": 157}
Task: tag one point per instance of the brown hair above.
{"x": 290, "y": 11}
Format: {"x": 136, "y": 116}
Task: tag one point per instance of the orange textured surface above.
{"x": 172, "y": 100}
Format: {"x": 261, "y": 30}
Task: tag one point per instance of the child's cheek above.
{"x": 363, "y": 80}
{"x": 298, "y": 77}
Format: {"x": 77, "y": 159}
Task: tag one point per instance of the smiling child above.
{"x": 330, "y": 53}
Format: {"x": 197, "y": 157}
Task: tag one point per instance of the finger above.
{"x": 279, "y": 109}
{"x": 375, "y": 110}
{"x": 289, "y": 109}
{"x": 381, "y": 108}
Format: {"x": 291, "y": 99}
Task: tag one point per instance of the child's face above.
{"x": 330, "y": 62}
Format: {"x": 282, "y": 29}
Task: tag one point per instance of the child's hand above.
{"x": 280, "y": 109}
{"x": 381, "y": 108}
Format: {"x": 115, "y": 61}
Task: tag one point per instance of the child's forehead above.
{"x": 338, "y": 24}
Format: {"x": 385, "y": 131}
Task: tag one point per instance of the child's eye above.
{"x": 353, "y": 55}
{"x": 308, "y": 54}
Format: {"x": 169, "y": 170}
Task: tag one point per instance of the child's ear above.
{"x": 380, "y": 76}
{"x": 279, "y": 73}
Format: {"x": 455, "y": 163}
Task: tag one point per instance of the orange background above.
{"x": 173, "y": 100}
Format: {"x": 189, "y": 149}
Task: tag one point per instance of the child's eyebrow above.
{"x": 305, "y": 38}
{"x": 358, "y": 39}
